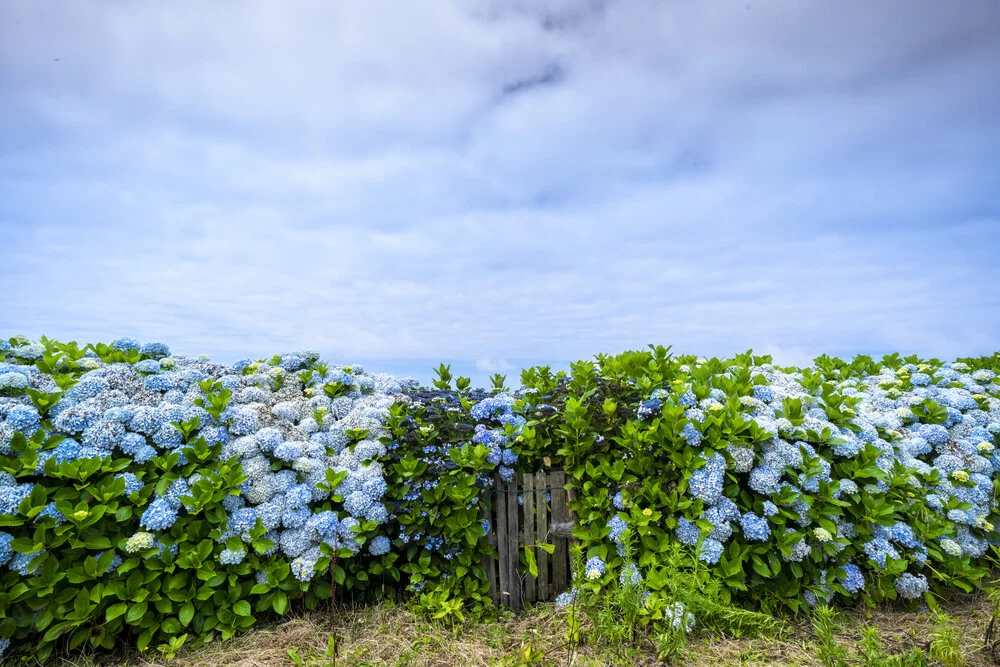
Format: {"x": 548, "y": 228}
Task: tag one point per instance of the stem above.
{"x": 333, "y": 583}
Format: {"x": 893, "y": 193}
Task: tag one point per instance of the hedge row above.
{"x": 164, "y": 500}
{"x": 870, "y": 479}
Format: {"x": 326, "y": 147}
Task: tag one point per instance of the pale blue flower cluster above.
{"x": 677, "y": 616}
{"x": 6, "y": 552}
{"x": 379, "y": 546}
{"x": 852, "y": 579}
{"x": 286, "y": 432}
{"x": 567, "y": 598}
{"x": 594, "y": 568}
{"x": 495, "y": 413}
{"x": 630, "y": 575}
{"x": 910, "y": 586}
{"x": 958, "y": 453}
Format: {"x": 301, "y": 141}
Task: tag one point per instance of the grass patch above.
{"x": 388, "y": 635}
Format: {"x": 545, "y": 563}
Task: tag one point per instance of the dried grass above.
{"x": 387, "y": 635}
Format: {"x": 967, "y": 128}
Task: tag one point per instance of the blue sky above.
{"x": 500, "y": 183}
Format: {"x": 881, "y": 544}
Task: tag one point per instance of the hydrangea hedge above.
{"x": 165, "y": 500}
{"x": 870, "y": 479}
{"x": 170, "y": 500}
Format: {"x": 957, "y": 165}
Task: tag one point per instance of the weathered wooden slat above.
{"x": 530, "y": 594}
{"x": 503, "y": 590}
{"x": 513, "y": 545}
{"x": 560, "y": 514}
{"x": 542, "y": 530}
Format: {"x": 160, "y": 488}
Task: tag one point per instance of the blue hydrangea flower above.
{"x": 379, "y": 545}
{"x": 154, "y": 350}
{"x": 710, "y": 551}
{"x": 298, "y": 496}
{"x": 148, "y": 366}
{"x": 691, "y": 434}
{"x": 242, "y": 519}
{"x": 618, "y": 502}
{"x": 11, "y": 497}
{"x": 6, "y": 552}
{"x": 755, "y": 528}
{"x": 232, "y": 557}
{"x": 648, "y": 409}
{"x": 175, "y": 491}
{"x": 294, "y": 518}
{"x": 617, "y": 526}
{"x": 595, "y": 568}
{"x": 630, "y": 575}
{"x": 13, "y": 381}
{"x": 933, "y": 433}
{"x": 492, "y": 406}
{"x": 687, "y": 532}
{"x": 268, "y": 439}
{"x": 51, "y": 511}
{"x": 132, "y": 483}
{"x": 765, "y": 480}
{"x": 125, "y": 344}
{"x": 852, "y": 579}
{"x": 244, "y": 422}
{"x": 911, "y": 587}
{"x": 21, "y": 562}
{"x": 800, "y": 549}
{"x": 377, "y": 513}
{"x": 24, "y": 418}
{"x": 706, "y": 485}
{"x": 566, "y": 598}
{"x": 687, "y": 399}
{"x": 158, "y": 516}
{"x": 878, "y": 549}
{"x": 288, "y": 451}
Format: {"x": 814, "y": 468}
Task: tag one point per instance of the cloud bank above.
{"x": 502, "y": 180}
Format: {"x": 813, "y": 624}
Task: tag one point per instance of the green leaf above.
{"x": 81, "y": 604}
{"x": 97, "y": 543}
{"x": 136, "y": 612}
{"x": 760, "y": 567}
{"x": 529, "y": 556}
{"x": 114, "y": 611}
{"x": 186, "y": 613}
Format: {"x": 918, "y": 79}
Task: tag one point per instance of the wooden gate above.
{"x": 524, "y": 514}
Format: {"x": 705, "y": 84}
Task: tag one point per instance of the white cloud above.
{"x": 789, "y": 356}
{"x": 492, "y": 365}
{"x": 237, "y": 178}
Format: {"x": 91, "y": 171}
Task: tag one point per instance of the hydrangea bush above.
{"x": 446, "y": 450}
{"x": 169, "y": 500}
{"x": 175, "y": 499}
{"x": 870, "y": 479}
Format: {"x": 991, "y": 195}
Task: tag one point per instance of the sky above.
{"x": 502, "y": 183}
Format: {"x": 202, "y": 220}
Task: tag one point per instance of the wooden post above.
{"x": 529, "y": 533}
{"x": 560, "y": 514}
{"x": 503, "y": 590}
{"x": 513, "y": 542}
{"x": 542, "y": 530}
